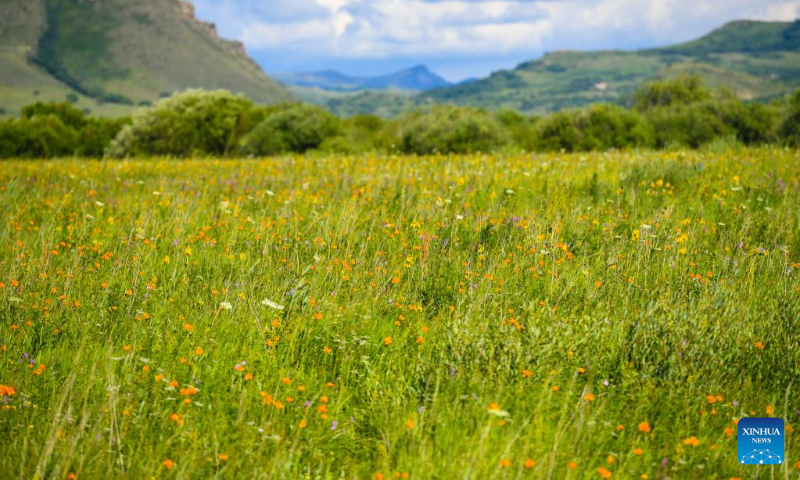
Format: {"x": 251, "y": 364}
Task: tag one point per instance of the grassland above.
{"x": 561, "y": 316}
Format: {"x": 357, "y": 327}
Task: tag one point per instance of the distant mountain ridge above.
{"x": 415, "y": 78}
{"x": 108, "y": 54}
{"x": 755, "y": 60}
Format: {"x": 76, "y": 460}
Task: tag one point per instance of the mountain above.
{"x": 415, "y": 78}
{"x": 107, "y": 55}
{"x": 755, "y": 60}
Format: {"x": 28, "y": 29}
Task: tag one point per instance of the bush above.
{"x": 688, "y": 125}
{"x": 68, "y": 114}
{"x": 753, "y": 123}
{"x": 450, "y": 129}
{"x": 296, "y": 129}
{"x": 677, "y": 91}
{"x": 599, "y": 127}
{"x": 519, "y": 127}
{"x": 192, "y": 123}
{"x": 360, "y": 133}
{"x": 40, "y": 136}
{"x": 46, "y": 130}
{"x": 556, "y": 132}
{"x": 790, "y": 125}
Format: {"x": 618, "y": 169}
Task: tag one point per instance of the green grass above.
{"x": 431, "y": 306}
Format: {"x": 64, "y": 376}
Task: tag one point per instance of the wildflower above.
{"x": 248, "y": 376}
{"x": 7, "y": 391}
{"x": 225, "y": 306}
{"x": 604, "y": 473}
{"x": 693, "y": 441}
{"x": 644, "y": 427}
{"x": 620, "y": 427}
{"x": 770, "y": 410}
{"x": 387, "y": 341}
{"x": 529, "y": 463}
{"x": 504, "y": 463}
{"x": 177, "y": 418}
{"x": 728, "y": 431}
{"x": 188, "y": 327}
{"x": 760, "y": 345}
{"x": 555, "y": 388}
{"x": 572, "y": 465}
{"x": 199, "y": 351}
{"x": 168, "y": 464}
{"x": 286, "y": 381}
{"x": 638, "y": 451}
{"x": 327, "y": 350}
{"x": 223, "y": 457}
{"x": 269, "y": 303}
{"x": 409, "y": 424}
{"x": 526, "y": 373}
{"x": 588, "y": 397}
{"x": 303, "y": 424}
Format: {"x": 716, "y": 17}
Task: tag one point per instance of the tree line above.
{"x": 680, "y": 112}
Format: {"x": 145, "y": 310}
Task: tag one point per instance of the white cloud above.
{"x": 430, "y": 29}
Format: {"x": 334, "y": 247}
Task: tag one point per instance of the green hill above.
{"x": 112, "y": 54}
{"x": 755, "y": 60}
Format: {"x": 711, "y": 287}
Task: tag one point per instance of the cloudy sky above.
{"x": 462, "y": 38}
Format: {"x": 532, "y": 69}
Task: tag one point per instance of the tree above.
{"x": 296, "y": 129}
{"x": 194, "y": 122}
{"x": 450, "y": 129}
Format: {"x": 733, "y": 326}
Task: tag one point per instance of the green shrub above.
{"x": 40, "y": 136}
{"x": 556, "y": 132}
{"x": 790, "y": 125}
{"x": 753, "y": 123}
{"x": 46, "y": 130}
{"x": 360, "y": 133}
{"x": 599, "y": 127}
{"x": 66, "y": 112}
{"x": 295, "y": 129}
{"x": 676, "y": 91}
{"x": 192, "y": 123}
{"x": 450, "y": 129}
{"x": 688, "y": 125}
{"x": 519, "y": 127}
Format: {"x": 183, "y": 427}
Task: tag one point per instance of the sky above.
{"x": 461, "y": 39}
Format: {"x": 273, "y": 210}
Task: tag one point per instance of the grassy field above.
{"x": 547, "y": 316}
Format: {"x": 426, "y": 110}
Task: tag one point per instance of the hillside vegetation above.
{"x": 754, "y": 60}
{"x": 674, "y": 113}
{"x": 104, "y": 55}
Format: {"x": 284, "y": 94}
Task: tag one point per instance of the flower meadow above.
{"x": 603, "y": 315}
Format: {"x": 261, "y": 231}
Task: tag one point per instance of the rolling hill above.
{"x": 755, "y": 60}
{"x": 415, "y": 78}
{"x": 109, "y": 55}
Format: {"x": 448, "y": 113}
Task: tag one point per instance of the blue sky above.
{"x": 462, "y": 38}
